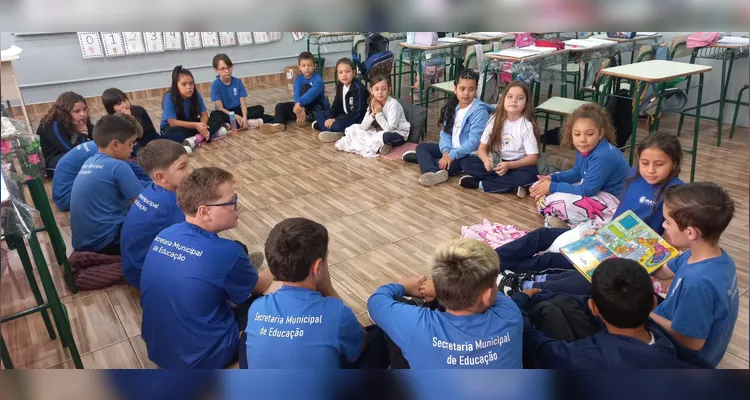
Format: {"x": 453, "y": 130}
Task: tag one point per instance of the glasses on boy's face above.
{"x": 232, "y": 203}
{"x": 225, "y": 69}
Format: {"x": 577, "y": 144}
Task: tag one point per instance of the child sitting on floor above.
{"x": 659, "y": 158}
{"x": 66, "y": 125}
{"x": 156, "y": 207}
{"x": 319, "y": 330}
{"x": 463, "y": 118}
{"x": 228, "y": 93}
{"x": 589, "y": 191}
{"x": 509, "y": 147}
{"x": 702, "y": 303}
{"x": 622, "y": 298}
{"x": 383, "y": 127}
{"x": 309, "y": 96}
{"x": 184, "y": 118}
{"x": 480, "y": 327}
{"x": 105, "y": 187}
{"x": 115, "y": 101}
{"x": 70, "y": 164}
{"x": 191, "y": 277}
{"x": 349, "y": 105}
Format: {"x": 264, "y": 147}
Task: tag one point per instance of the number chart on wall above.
{"x": 118, "y": 44}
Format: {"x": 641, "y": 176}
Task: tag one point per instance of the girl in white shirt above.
{"x": 383, "y": 126}
{"x": 509, "y": 147}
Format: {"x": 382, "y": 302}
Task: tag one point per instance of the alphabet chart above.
{"x": 154, "y": 42}
{"x": 227, "y": 39}
{"x": 245, "y": 38}
{"x": 133, "y": 43}
{"x": 173, "y": 40}
{"x": 113, "y": 44}
{"x": 192, "y": 40}
{"x": 91, "y": 45}
{"x": 210, "y": 39}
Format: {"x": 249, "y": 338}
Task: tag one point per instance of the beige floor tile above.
{"x": 117, "y": 356}
{"x": 127, "y": 303}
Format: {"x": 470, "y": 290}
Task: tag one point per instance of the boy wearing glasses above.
{"x": 191, "y": 277}
{"x": 228, "y": 94}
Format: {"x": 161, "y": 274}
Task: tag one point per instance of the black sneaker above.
{"x": 469, "y": 182}
{"x": 314, "y": 125}
{"x": 410, "y": 156}
{"x": 507, "y": 283}
{"x": 524, "y": 276}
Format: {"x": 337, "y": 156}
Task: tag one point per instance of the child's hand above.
{"x": 202, "y": 129}
{"x": 531, "y": 292}
{"x": 412, "y": 285}
{"x": 487, "y": 164}
{"x": 544, "y": 178}
{"x": 590, "y": 232}
{"x": 540, "y": 188}
{"x": 82, "y": 127}
{"x": 329, "y": 122}
{"x": 297, "y": 107}
{"x": 375, "y": 107}
{"x": 502, "y": 168}
{"x": 445, "y": 162}
{"x": 428, "y": 290}
{"x": 241, "y": 122}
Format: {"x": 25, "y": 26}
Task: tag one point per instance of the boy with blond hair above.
{"x": 480, "y": 327}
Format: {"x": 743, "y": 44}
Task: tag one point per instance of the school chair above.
{"x": 601, "y": 84}
{"x": 52, "y": 303}
{"x": 737, "y": 105}
{"x": 447, "y": 87}
{"x": 560, "y": 107}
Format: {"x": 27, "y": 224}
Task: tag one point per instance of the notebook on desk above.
{"x": 517, "y": 53}
{"x": 451, "y": 40}
{"x": 585, "y": 43}
{"x": 541, "y": 50}
{"x": 734, "y": 40}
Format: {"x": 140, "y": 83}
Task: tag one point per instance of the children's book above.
{"x": 625, "y": 237}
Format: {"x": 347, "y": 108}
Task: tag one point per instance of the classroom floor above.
{"x": 383, "y": 226}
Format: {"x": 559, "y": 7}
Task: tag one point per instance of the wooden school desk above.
{"x": 631, "y": 45}
{"x": 534, "y": 63}
{"x": 559, "y": 106}
{"x": 724, "y": 52}
{"x": 583, "y": 56}
{"x": 453, "y": 49}
{"x": 487, "y": 37}
{"x": 657, "y": 71}
{"x": 9, "y": 85}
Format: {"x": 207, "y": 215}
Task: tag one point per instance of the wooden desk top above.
{"x": 655, "y": 71}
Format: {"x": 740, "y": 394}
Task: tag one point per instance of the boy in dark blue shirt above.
{"x": 480, "y": 327}
{"x": 309, "y": 95}
{"x": 156, "y": 207}
{"x": 622, "y": 297}
{"x": 228, "y": 93}
{"x": 305, "y": 324}
{"x": 191, "y": 279}
{"x": 702, "y": 301}
{"x": 105, "y": 187}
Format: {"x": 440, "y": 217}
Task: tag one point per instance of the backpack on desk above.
{"x": 378, "y": 59}
{"x": 524, "y": 39}
{"x": 426, "y": 38}
{"x": 702, "y": 39}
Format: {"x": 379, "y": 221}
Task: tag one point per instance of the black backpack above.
{"x": 621, "y": 113}
{"x": 378, "y": 59}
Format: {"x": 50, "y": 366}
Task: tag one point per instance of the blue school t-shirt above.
{"x": 229, "y": 95}
{"x": 154, "y": 210}
{"x": 639, "y": 198}
{"x": 190, "y": 278}
{"x": 434, "y": 339}
{"x": 299, "y": 328}
{"x": 703, "y": 302}
{"x": 99, "y": 201}
{"x": 168, "y": 109}
{"x": 67, "y": 170}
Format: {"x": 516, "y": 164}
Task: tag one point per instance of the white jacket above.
{"x": 392, "y": 119}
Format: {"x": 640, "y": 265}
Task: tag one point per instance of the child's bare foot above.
{"x": 301, "y": 117}
{"x": 271, "y": 128}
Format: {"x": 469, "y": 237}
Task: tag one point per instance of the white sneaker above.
{"x": 189, "y": 150}
{"x": 221, "y": 132}
{"x": 433, "y": 178}
{"x": 189, "y": 142}
{"x": 522, "y": 192}
{"x": 329, "y": 137}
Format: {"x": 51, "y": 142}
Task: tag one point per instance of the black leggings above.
{"x": 253, "y": 112}
{"x": 393, "y": 138}
{"x": 179, "y": 133}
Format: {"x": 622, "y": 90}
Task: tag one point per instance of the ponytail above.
{"x": 448, "y": 112}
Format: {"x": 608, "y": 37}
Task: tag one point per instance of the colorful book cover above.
{"x": 625, "y": 237}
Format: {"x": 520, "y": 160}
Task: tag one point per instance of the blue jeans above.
{"x": 428, "y": 155}
{"x": 338, "y": 125}
{"x": 493, "y": 183}
{"x": 568, "y": 282}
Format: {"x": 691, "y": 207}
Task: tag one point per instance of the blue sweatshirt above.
{"x": 603, "y": 349}
{"x": 602, "y": 170}
{"x": 472, "y": 127}
{"x": 315, "y": 92}
{"x": 640, "y": 196}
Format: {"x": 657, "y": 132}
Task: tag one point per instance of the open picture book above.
{"x": 625, "y": 237}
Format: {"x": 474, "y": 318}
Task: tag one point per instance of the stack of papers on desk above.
{"x": 734, "y": 40}
{"x": 585, "y": 43}
{"x": 517, "y": 52}
{"x": 645, "y": 33}
{"x": 540, "y": 49}
{"x": 451, "y": 40}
